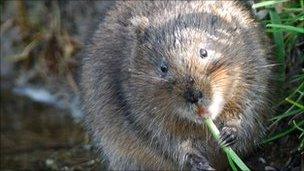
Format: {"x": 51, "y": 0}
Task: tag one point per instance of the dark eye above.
{"x": 203, "y": 53}
{"x": 164, "y": 68}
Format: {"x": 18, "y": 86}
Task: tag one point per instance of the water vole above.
{"x": 152, "y": 65}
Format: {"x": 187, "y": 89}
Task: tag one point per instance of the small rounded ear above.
{"x": 140, "y": 25}
{"x": 140, "y": 22}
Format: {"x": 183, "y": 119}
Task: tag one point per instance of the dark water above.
{"x": 40, "y": 137}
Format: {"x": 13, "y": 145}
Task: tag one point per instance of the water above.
{"x": 36, "y": 136}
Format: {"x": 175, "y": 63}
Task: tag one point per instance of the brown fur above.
{"x": 138, "y": 117}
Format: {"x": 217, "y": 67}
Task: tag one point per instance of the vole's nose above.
{"x": 193, "y": 96}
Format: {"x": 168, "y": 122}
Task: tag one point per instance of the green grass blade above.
{"x": 231, "y": 163}
{"x": 228, "y": 150}
{"x": 267, "y": 3}
{"x": 297, "y": 126}
{"x": 279, "y": 42}
{"x": 293, "y": 9}
{"x": 236, "y": 159}
{"x": 299, "y": 89}
{"x": 286, "y": 114}
{"x": 282, "y": 134}
{"x": 286, "y": 27}
{"x": 301, "y": 146}
{"x": 295, "y": 103}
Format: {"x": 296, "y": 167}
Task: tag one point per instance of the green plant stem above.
{"x": 279, "y": 42}
{"x": 297, "y": 126}
{"x": 286, "y": 27}
{"x": 267, "y": 3}
{"x": 228, "y": 150}
{"x": 282, "y": 134}
{"x": 231, "y": 163}
{"x": 295, "y": 103}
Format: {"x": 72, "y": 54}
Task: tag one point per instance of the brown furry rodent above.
{"x": 152, "y": 65}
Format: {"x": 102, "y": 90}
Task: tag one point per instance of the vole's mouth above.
{"x": 195, "y": 112}
{"x": 202, "y": 111}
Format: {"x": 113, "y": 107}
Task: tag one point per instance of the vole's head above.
{"x": 178, "y": 70}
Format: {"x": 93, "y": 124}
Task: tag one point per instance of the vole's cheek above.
{"x": 171, "y": 87}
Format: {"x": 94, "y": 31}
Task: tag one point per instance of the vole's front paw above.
{"x": 197, "y": 163}
{"x": 228, "y": 136}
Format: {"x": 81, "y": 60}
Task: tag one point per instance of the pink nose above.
{"x": 202, "y": 112}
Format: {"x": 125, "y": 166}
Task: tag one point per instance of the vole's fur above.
{"x": 137, "y": 114}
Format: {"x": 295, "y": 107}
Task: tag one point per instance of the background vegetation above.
{"x": 285, "y": 25}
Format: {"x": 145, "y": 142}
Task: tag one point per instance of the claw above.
{"x": 228, "y": 136}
